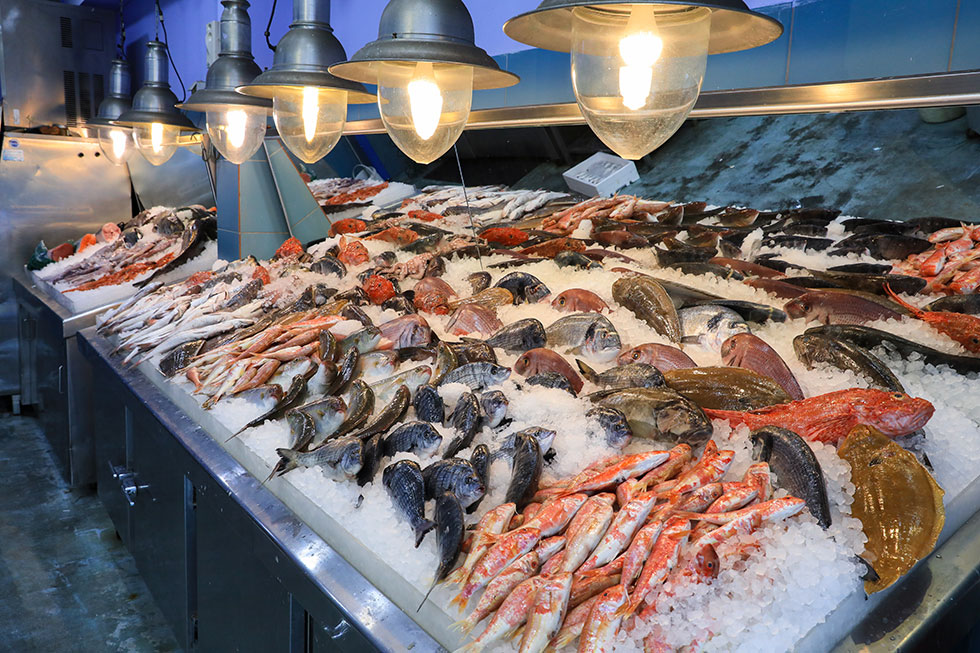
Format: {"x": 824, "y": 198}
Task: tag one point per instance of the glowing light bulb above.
{"x": 120, "y": 140}
{"x": 310, "y": 110}
{"x": 426, "y": 101}
{"x": 639, "y": 51}
{"x": 156, "y": 137}
{"x": 116, "y": 143}
{"x": 424, "y": 105}
{"x": 637, "y": 71}
{"x": 237, "y": 119}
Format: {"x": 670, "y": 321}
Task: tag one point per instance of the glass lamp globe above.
{"x": 310, "y": 119}
{"x": 637, "y": 71}
{"x": 236, "y": 130}
{"x": 156, "y": 141}
{"x": 116, "y": 143}
{"x": 424, "y": 106}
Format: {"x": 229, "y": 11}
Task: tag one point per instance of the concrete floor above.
{"x": 66, "y": 581}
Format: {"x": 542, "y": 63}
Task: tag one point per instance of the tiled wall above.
{"x": 250, "y": 215}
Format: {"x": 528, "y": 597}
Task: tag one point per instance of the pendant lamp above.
{"x": 115, "y": 141}
{"x": 426, "y": 65}
{"x": 236, "y": 123}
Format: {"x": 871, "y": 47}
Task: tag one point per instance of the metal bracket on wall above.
{"x": 945, "y": 89}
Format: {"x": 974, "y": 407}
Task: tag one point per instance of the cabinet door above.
{"x": 161, "y": 516}
{"x": 111, "y": 420}
{"x": 52, "y": 387}
{"x": 240, "y": 605}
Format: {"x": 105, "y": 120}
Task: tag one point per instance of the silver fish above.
{"x": 710, "y": 326}
{"x": 588, "y": 334}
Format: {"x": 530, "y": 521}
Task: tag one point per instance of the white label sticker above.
{"x": 13, "y": 155}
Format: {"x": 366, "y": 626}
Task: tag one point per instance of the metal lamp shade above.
{"x": 435, "y": 31}
{"x": 117, "y": 102}
{"x": 234, "y": 66}
{"x": 155, "y": 102}
{"x": 733, "y": 25}
{"x": 304, "y": 55}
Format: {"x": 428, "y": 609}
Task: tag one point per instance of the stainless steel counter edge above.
{"x": 381, "y": 621}
{"x": 73, "y": 322}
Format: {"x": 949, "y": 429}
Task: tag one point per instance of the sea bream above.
{"x": 587, "y": 334}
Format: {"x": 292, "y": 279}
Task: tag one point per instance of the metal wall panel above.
{"x": 53, "y": 188}
{"x": 53, "y": 61}
{"x": 181, "y": 181}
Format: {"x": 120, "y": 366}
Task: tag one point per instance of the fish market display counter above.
{"x": 54, "y": 378}
{"x": 229, "y": 562}
{"x": 230, "y": 566}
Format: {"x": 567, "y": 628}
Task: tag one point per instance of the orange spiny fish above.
{"x": 963, "y": 328}
{"x": 830, "y": 417}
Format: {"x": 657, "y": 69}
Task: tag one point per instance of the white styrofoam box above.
{"x": 601, "y": 174}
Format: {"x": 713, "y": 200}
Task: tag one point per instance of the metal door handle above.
{"x": 338, "y": 631}
{"x": 61, "y": 369}
{"x": 127, "y": 483}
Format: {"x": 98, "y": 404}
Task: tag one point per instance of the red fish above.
{"x": 577, "y": 300}
{"x": 395, "y": 236}
{"x": 620, "y": 238}
{"x": 753, "y": 353}
{"x": 776, "y": 287}
{"x": 347, "y": 226}
{"x": 424, "y": 216}
{"x": 378, "y": 289}
{"x": 541, "y": 360}
{"x": 262, "y": 274}
{"x": 829, "y": 307}
{"x": 291, "y": 247}
{"x": 407, "y": 331}
{"x": 473, "y": 318}
{"x": 432, "y": 295}
{"x": 507, "y": 236}
{"x": 963, "y": 328}
{"x": 551, "y": 248}
{"x": 663, "y": 357}
{"x": 352, "y": 252}
{"x": 830, "y": 417}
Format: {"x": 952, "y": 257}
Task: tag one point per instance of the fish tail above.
{"x": 464, "y": 626}
{"x": 627, "y": 609}
{"x": 424, "y": 527}
{"x": 460, "y": 601}
{"x": 589, "y": 373}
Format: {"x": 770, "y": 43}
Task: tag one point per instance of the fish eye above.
{"x": 561, "y": 301}
{"x": 897, "y": 395}
{"x": 636, "y": 355}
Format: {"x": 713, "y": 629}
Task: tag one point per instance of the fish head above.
{"x": 527, "y": 364}
{"x": 734, "y": 348}
{"x": 678, "y": 421}
{"x": 563, "y": 302}
{"x": 471, "y": 488}
{"x": 352, "y": 457}
{"x": 499, "y": 373}
{"x": 602, "y": 343}
{"x": 895, "y": 413}
{"x": 536, "y": 291}
{"x": 640, "y": 354}
{"x": 706, "y": 563}
{"x": 800, "y": 307}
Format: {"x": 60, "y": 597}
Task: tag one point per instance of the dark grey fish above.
{"x": 450, "y": 529}
{"x": 525, "y": 287}
{"x": 526, "y": 469}
{"x": 245, "y": 294}
{"x": 342, "y": 458}
{"x": 481, "y": 460}
{"x": 329, "y": 265}
{"x": 423, "y": 244}
{"x": 365, "y": 340}
{"x": 466, "y": 420}
{"x": 179, "y": 358}
{"x": 169, "y": 225}
{"x": 614, "y": 424}
{"x": 400, "y": 304}
{"x": 494, "y": 405}
{"x": 391, "y": 413}
{"x": 372, "y": 459}
{"x": 520, "y": 336}
{"x": 873, "y": 283}
{"x": 551, "y": 380}
{"x": 294, "y": 396}
{"x": 811, "y": 349}
{"x": 345, "y": 371}
{"x": 798, "y": 242}
{"x": 479, "y": 281}
{"x": 631, "y": 375}
{"x": 587, "y": 334}
{"x": 355, "y": 312}
{"x": 545, "y": 438}
{"x": 750, "y": 311}
{"x": 478, "y": 375}
{"x": 418, "y": 437}
{"x": 359, "y": 407}
{"x": 355, "y": 295}
{"x": 428, "y": 404}
{"x": 403, "y": 482}
{"x": 862, "y": 268}
{"x": 797, "y": 469}
{"x": 328, "y": 345}
{"x": 328, "y": 415}
{"x": 569, "y": 258}
{"x": 454, "y": 475}
{"x": 870, "y": 338}
{"x": 473, "y": 352}
{"x": 302, "y": 430}
{"x": 968, "y": 304}
{"x": 688, "y": 267}
{"x": 659, "y": 414}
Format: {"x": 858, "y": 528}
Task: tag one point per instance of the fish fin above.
{"x": 458, "y": 577}
{"x": 589, "y": 373}
{"x": 464, "y": 626}
{"x": 869, "y": 571}
{"x": 460, "y": 601}
{"x": 916, "y": 311}
{"x": 825, "y": 426}
{"x": 690, "y": 340}
{"x": 626, "y": 610}
{"x": 516, "y": 633}
{"x": 424, "y": 527}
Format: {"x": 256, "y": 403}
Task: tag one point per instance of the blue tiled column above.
{"x": 250, "y": 215}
